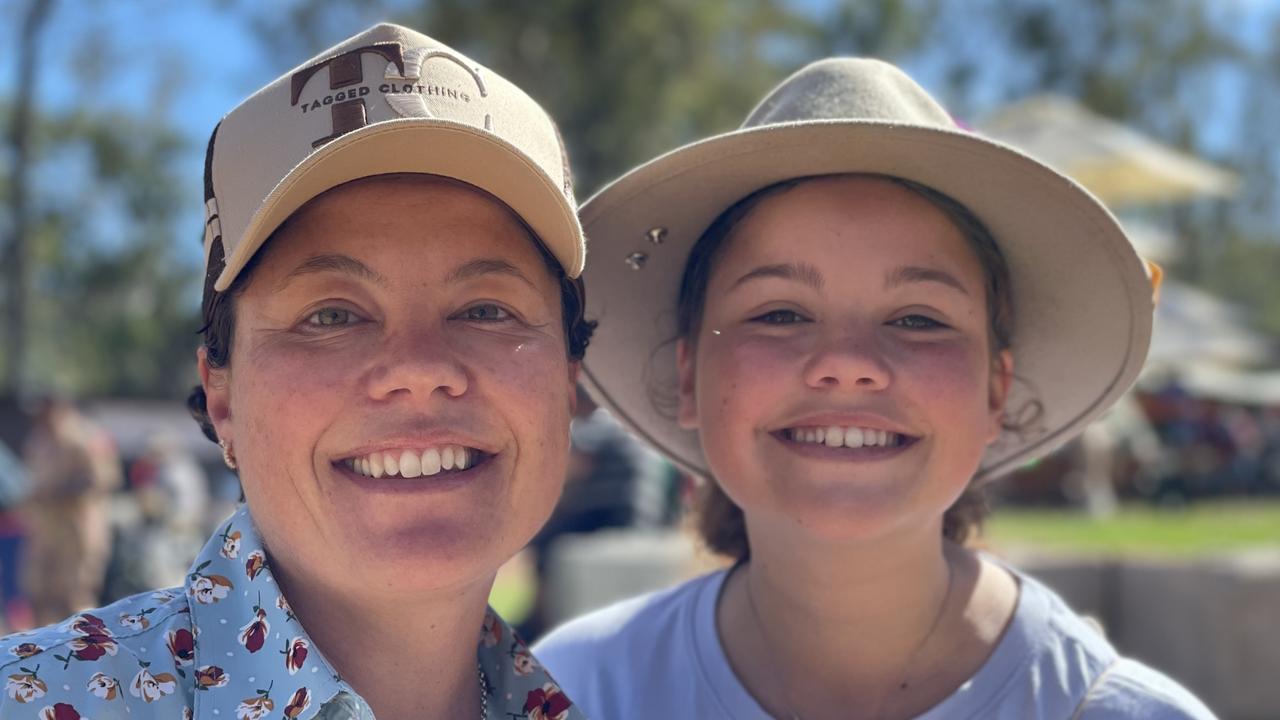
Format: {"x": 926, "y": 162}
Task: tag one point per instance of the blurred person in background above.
{"x": 74, "y": 469}
{"x": 614, "y": 481}
{"x": 15, "y": 612}
{"x": 166, "y": 524}
{"x": 393, "y": 324}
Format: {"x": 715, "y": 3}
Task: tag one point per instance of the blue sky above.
{"x": 191, "y": 62}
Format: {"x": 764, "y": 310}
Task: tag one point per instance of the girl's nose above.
{"x": 847, "y": 361}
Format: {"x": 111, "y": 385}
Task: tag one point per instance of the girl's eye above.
{"x": 780, "y": 317}
{"x": 486, "y": 312}
{"x": 330, "y": 317}
{"x": 917, "y": 322}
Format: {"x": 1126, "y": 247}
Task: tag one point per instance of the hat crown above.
{"x": 849, "y": 89}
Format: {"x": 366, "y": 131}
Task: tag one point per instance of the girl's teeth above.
{"x": 390, "y": 464}
{"x": 835, "y": 437}
{"x": 446, "y": 458}
{"x": 851, "y": 437}
{"x": 375, "y": 464}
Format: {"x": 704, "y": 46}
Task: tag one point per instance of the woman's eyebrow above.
{"x": 486, "y": 266}
{"x": 800, "y": 272}
{"x": 908, "y": 274}
{"x": 344, "y": 264}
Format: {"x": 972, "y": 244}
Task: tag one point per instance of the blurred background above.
{"x": 1162, "y": 521}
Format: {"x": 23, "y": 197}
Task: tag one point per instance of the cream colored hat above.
{"x": 389, "y": 100}
{"x": 1082, "y": 298}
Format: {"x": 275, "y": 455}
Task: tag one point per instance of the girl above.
{"x": 869, "y": 313}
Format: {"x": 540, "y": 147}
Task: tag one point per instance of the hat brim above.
{"x": 1082, "y": 303}
{"x": 422, "y": 145}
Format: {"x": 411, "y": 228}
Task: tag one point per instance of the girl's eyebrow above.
{"x": 915, "y": 274}
{"x": 800, "y": 272}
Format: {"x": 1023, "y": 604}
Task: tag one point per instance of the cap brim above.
{"x": 422, "y": 145}
{"x": 1082, "y": 302}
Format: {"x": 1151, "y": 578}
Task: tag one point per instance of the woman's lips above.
{"x": 415, "y": 462}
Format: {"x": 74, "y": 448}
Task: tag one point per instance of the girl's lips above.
{"x": 841, "y": 453}
{"x": 865, "y": 420}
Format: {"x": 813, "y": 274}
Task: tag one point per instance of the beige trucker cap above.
{"x": 388, "y": 100}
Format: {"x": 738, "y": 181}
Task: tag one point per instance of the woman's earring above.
{"x": 227, "y": 457}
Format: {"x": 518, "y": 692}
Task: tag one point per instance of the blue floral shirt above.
{"x": 225, "y": 646}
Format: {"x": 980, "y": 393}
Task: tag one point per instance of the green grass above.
{"x": 1197, "y": 529}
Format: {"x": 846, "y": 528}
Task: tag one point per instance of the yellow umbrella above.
{"x": 1116, "y": 163}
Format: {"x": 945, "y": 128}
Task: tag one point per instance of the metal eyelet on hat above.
{"x": 636, "y": 260}
{"x": 657, "y": 235}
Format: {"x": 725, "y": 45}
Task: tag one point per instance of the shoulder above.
{"x": 605, "y": 657}
{"x": 640, "y": 621}
{"x": 1076, "y": 666}
{"x": 1130, "y": 690}
{"x": 129, "y": 652}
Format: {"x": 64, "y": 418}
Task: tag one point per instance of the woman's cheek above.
{"x": 525, "y": 361}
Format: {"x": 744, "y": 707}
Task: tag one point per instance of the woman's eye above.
{"x": 780, "y": 317}
{"x": 330, "y": 317}
{"x": 917, "y": 322}
{"x": 487, "y": 312}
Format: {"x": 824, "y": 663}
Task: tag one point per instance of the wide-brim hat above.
{"x": 1082, "y": 298}
{"x": 387, "y": 100}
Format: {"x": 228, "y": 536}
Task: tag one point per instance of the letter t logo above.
{"x": 345, "y": 70}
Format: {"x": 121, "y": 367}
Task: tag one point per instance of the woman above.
{"x": 389, "y": 361}
{"x": 868, "y": 311}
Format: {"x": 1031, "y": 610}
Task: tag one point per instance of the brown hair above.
{"x": 218, "y": 310}
{"x": 718, "y": 519}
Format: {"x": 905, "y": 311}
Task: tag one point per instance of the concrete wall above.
{"x": 1212, "y": 624}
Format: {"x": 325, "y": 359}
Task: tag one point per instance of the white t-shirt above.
{"x": 659, "y": 656}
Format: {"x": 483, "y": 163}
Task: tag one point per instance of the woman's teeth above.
{"x": 413, "y": 463}
{"x": 850, "y": 437}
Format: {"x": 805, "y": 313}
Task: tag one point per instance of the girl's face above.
{"x": 842, "y": 380}
{"x": 399, "y": 393}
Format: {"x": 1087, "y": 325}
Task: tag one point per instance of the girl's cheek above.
{"x": 738, "y": 372}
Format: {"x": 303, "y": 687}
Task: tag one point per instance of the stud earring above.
{"x": 227, "y": 457}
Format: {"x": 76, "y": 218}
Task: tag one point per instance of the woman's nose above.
{"x": 418, "y": 363}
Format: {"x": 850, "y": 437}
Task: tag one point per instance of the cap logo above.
{"x": 405, "y": 88}
{"x": 408, "y": 97}
{"x": 347, "y": 108}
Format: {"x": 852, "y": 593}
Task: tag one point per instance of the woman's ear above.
{"x": 575, "y": 370}
{"x": 217, "y": 395}
{"x": 1001, "y": 379}
{"x": 687, "y": 411}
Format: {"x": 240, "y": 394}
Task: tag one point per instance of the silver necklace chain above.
{"x": 484, "y": 696}
{"x": 906, "y": 670}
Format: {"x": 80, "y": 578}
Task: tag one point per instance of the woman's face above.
{"x": 846, "y": 308}
{"x": 399, "y": 321}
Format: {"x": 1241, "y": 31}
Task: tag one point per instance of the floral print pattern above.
{"x": 225, "y": 645}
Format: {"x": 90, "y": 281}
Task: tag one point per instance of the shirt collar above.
{"x": 253, "y": 659}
